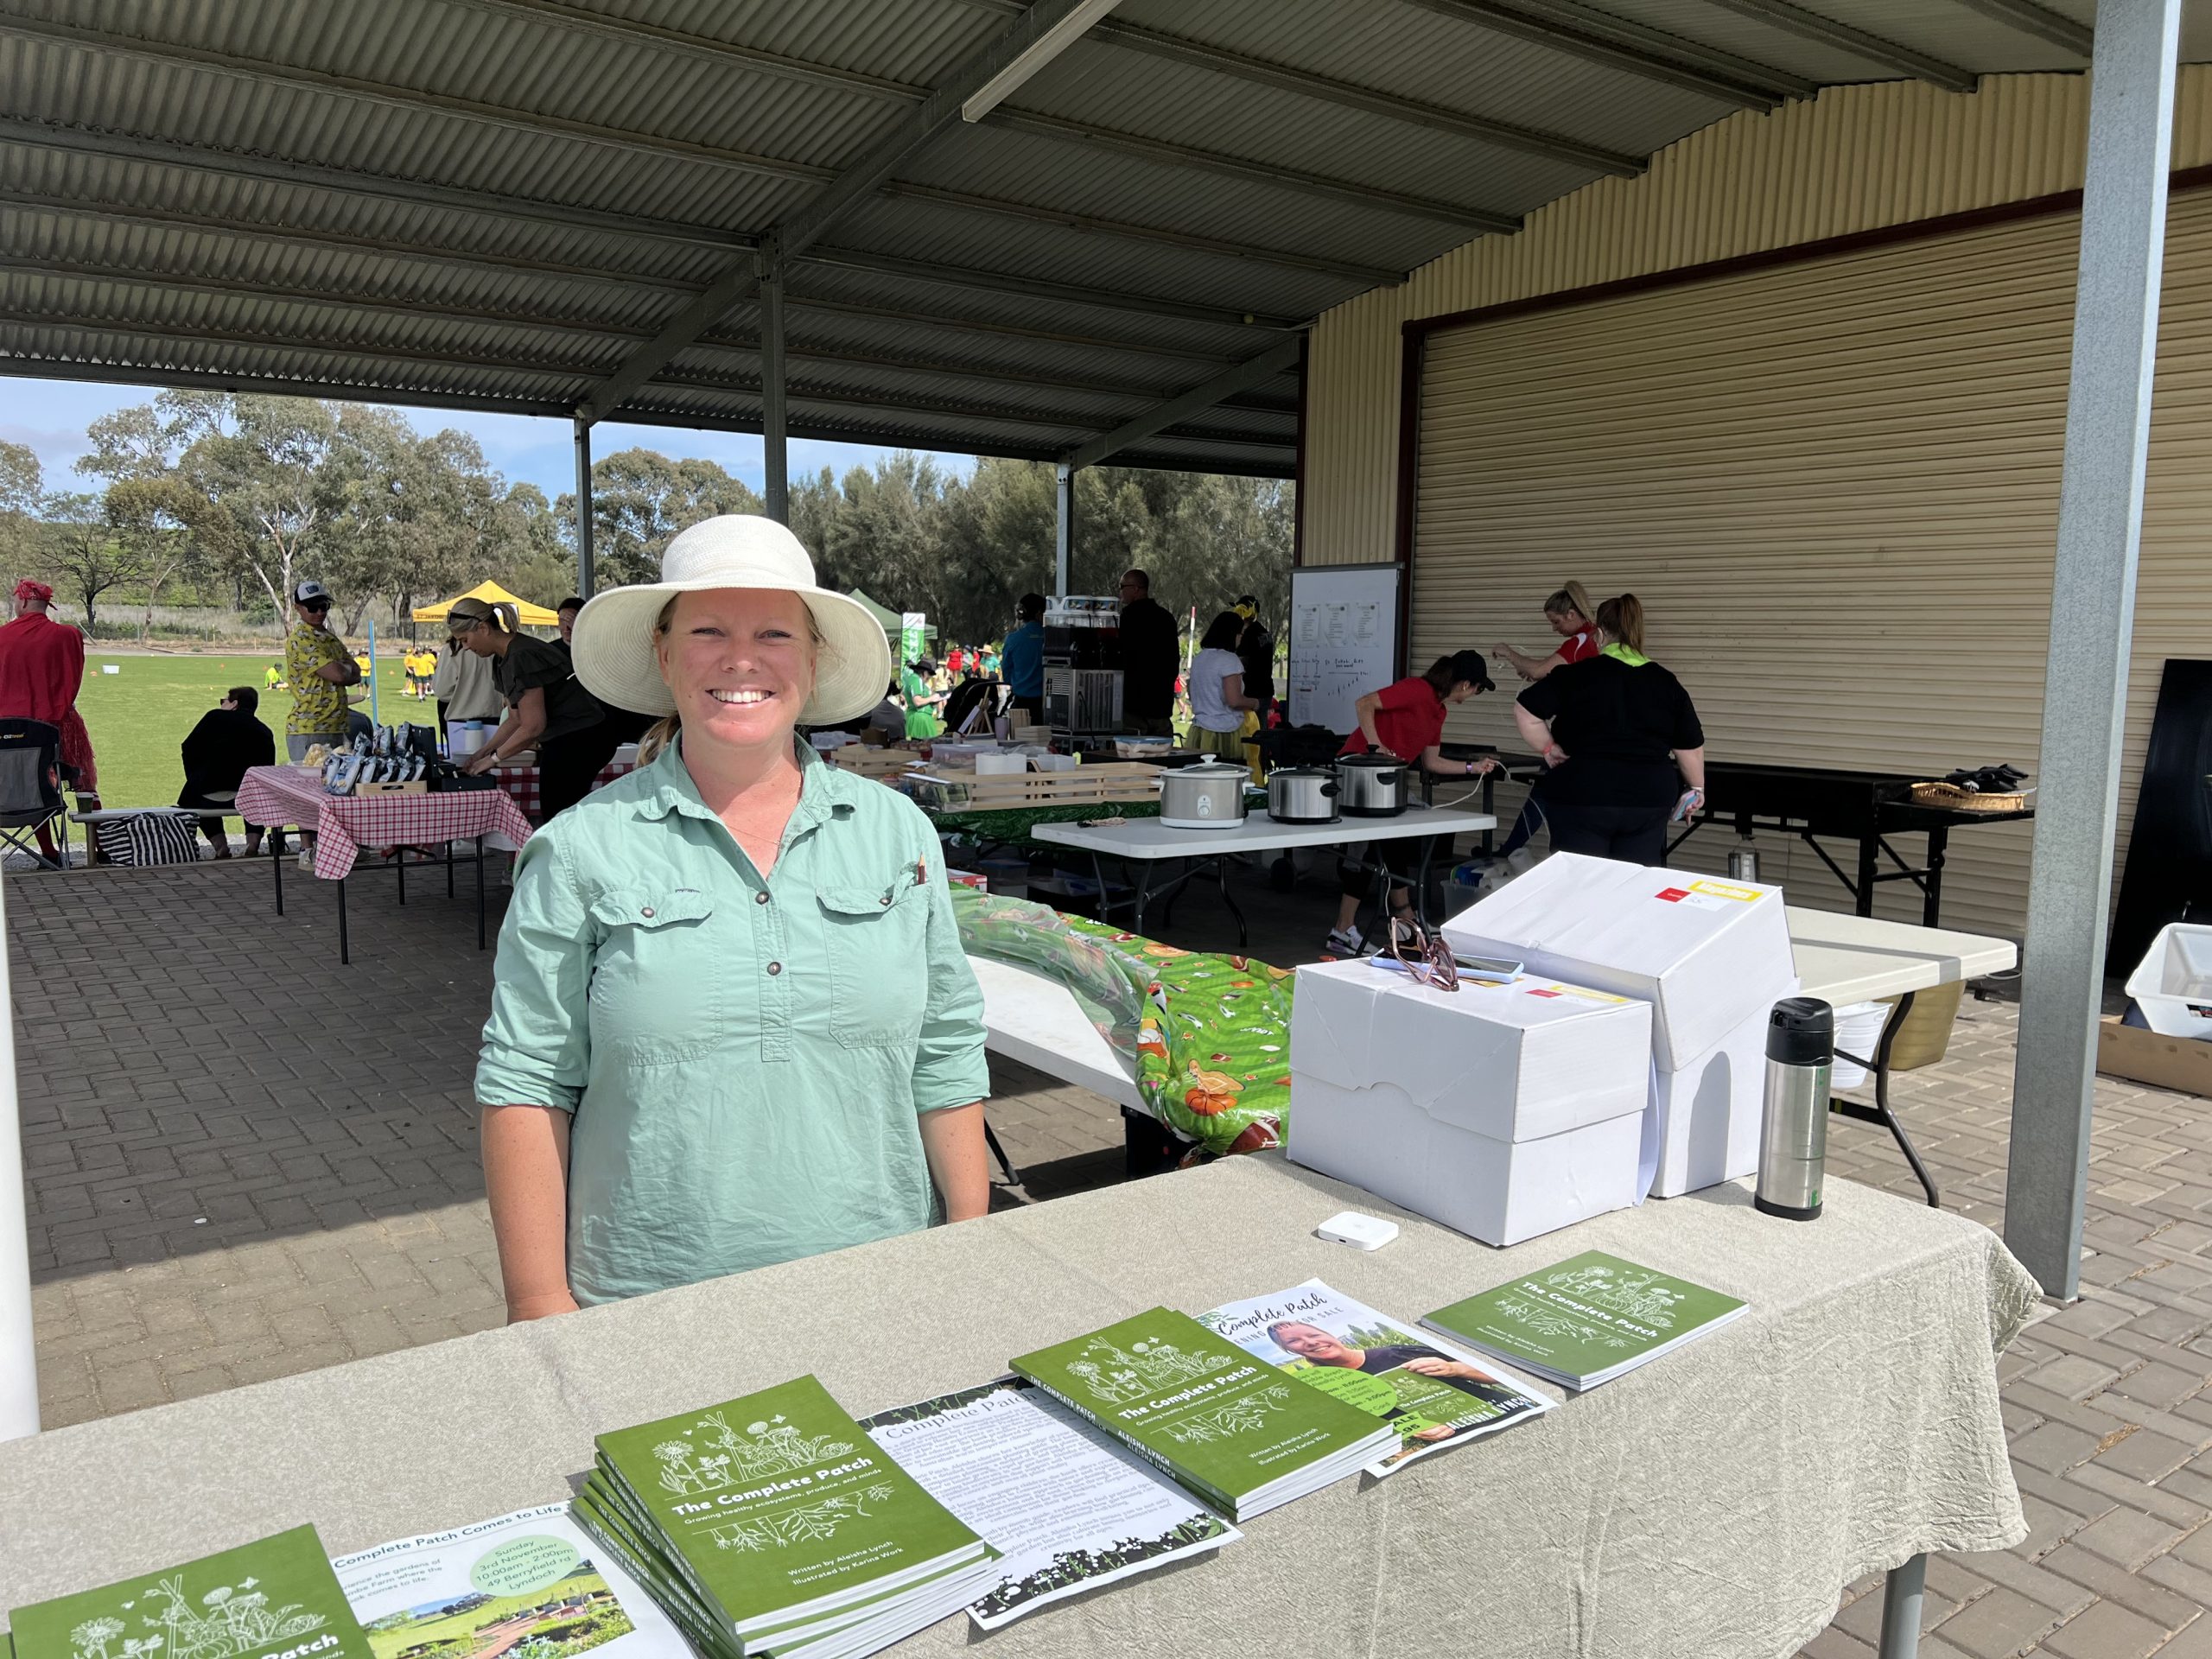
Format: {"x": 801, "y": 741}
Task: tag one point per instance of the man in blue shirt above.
{"x": 1022, "y": 661}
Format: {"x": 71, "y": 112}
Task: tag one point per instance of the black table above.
{"x": 1866, "y": 807}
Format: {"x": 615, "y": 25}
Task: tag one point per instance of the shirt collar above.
{"x": 824, "y": 790}
{"x": 1622, "y": 654}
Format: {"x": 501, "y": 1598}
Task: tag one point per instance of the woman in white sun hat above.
{"x": 731, "y": 1022}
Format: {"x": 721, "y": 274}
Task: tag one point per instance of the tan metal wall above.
{"x": 1854, "y": 158}
{"x": 1834, "y": 486}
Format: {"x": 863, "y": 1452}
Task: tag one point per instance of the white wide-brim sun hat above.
{"x": 615, "y": 647}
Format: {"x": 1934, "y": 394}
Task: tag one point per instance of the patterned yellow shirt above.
{"x": 318, "y": 706}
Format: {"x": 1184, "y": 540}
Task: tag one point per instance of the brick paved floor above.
{"x": 244, "y": 1161}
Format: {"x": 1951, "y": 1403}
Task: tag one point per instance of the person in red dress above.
{"x": 41, "y": 666}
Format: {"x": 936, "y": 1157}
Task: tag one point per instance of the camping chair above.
{"x": 30, "y": 787}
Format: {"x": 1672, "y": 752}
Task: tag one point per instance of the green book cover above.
{"x": 1198, "y": 1405}
{"x": 777, "y": 1503}
{"x": 274, "y": 1599}
{"x": 1587, "y": 1319}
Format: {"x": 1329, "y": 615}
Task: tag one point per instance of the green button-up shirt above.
{"x": 746, "y": 1060}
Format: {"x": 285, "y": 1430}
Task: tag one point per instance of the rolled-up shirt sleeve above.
{"x": 950, "y": 1067}
{"x": 536, "y": 1046}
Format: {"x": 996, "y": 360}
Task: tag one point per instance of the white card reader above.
{"x": 1361, "y": 1232}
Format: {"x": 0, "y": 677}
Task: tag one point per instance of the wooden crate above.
{"x": 873, "y": 763}
{"x": 413, "y": 786}
{"x": 1105, "y": 780}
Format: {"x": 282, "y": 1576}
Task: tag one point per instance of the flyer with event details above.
{"x": 1432, "y": 1393}
{"x": 1066, "y": 1505}
{"x": 524, "y": 1585}
{"x": 274, "y": 1599}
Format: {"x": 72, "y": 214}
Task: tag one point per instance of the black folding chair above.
{"x": 30, "y": 788}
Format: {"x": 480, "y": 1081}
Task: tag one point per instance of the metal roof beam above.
{"x": 1352, "y": 269}
{"x": 1112, "y": 142}
{"x": 557, "y": 216}
{"x": 867, "y": 178}
{"x": 413, "y": 306}
{"x": 1003, "y": 330}
{"x": 1253, "y": 372}
{"x": 316, "y": 176}
{"x": 909, "y": 134}
{"x": 1578, "y": 32}
{"x": 2033, "y": 19}
{"x": 1811, "y": 26}
{"x": 1434, "y": 117}
{"x": 924, "y": 270}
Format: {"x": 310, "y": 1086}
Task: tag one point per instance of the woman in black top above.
{"x": 1622, "y": 738}
{"x": 548, "y": 709}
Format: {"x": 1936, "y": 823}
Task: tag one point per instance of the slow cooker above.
{"x": 1302, "y": 795}
{"x": 1208, "y": 795}
{"x": 1371, "y": 785}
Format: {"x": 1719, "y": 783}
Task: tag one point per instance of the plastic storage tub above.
{"x": 2173, "y": 983}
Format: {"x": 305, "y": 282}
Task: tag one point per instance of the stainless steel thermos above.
{"x": 1794, "y": 1133}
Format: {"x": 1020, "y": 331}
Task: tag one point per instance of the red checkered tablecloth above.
{"x": 346, "y": 823}
{"x": 521, "y": 782}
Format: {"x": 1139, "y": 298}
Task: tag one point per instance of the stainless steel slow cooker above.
{"x": 1302, "y": 795}
{"x": 1371, "y": 785}
{"x": 1208, "y": 795}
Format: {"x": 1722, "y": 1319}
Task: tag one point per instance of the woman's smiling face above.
{"x": 740, "y": 663}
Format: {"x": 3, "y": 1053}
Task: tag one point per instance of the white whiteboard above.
{"x": 1344, "y": 641}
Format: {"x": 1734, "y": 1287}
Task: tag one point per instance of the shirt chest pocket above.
{"x": 656, "y": 977}
{"x": 879, "y": 965}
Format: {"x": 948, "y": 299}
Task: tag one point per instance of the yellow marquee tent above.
{"x": 533, "y": 616}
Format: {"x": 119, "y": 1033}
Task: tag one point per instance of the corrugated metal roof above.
{"x": 498, "y": 202}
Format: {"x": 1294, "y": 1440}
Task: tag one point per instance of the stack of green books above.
{"x": 275, "y": 1599}
{"x": 1586, "y": 1321}
{"x": 1235, "y": 1431}
{"x": 772, "y": 1524}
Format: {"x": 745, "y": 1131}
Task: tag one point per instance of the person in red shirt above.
{"x": 1573, "y": 618}
{"x": 41, "y": 666}
{"x": 1405, "y": 719}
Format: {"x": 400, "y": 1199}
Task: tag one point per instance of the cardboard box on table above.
{"x": 1712, "y": 957}
{"x": 1503, "y": 1111}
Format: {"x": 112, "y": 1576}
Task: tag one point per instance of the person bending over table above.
{"x": 1218, "y": 702}
{"x": 1405, "y": 719}
{"x": 1622, "y": 739}
{"x": 732, "y": 1023}
{"x": 548, "y": 709}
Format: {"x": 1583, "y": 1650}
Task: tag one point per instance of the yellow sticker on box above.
{"x": 1724, "y": 890}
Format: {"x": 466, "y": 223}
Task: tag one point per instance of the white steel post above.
{"x": 18, "y": 1352}
{"x": 1063, "y": 535}
{"x": 2092, "y": 624}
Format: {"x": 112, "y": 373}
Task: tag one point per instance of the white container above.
{"x": 1858, "y": 1031}
{"x": 2173, "y": 983}
{"x": 1501, "y": 1110}
{"x": 1706, "y": 1115}
{"x": 988, "y": 765}
{"x": 464, "y": 737}
{"x": 1046, "y": 760}
{"x": 1706, "y": 954}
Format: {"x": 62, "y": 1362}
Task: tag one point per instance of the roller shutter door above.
{"x": 1834, "y": 486}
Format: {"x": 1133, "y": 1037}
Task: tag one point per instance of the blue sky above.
{"x": 51, "y": 416}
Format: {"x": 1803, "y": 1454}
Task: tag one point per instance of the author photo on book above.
{"x": 732, "y": 1023}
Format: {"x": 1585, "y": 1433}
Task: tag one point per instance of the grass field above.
{"x": 139, "y": 716}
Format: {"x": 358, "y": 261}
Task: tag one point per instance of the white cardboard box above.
{"x": 1708, "y": 1112}
{"x": 1705, "y": 953}
{"x": 1502, "y": 1110}
{"x": 1499, "y": 1192}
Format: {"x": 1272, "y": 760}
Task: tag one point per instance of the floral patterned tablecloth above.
{"x": 1206, "y": 1037}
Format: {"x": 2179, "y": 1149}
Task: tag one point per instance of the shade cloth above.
{"x": 343, "y": 824}
{"x": 1711, "y": 1505}
{"x": 531, "y": 616}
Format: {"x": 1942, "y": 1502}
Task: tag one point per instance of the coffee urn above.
{"x": 1794, "y": 1132}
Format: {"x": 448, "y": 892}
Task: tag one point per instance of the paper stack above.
{"x": 773, "y": 1524}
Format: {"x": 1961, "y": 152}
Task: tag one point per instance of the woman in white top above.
{"x": 1218, "y": 704}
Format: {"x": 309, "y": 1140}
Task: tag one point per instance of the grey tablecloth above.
{"x": 1710, "y": 1504}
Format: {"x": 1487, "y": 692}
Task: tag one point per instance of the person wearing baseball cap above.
{"x": 1405, "y": 719}
{"x": 732, "y": 1023}
{"x": 318, "y": 668}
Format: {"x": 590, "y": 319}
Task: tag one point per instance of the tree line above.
{"x": 229, "y": 498}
